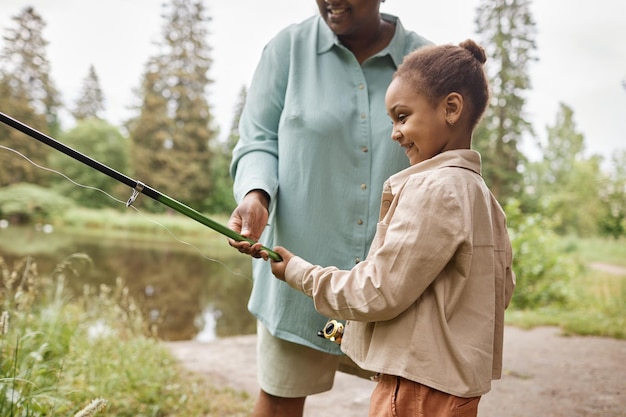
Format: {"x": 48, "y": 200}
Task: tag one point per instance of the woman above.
{"x": 312, "y": 159}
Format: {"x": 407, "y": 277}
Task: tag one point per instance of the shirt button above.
{"x": 361, "y": 86}
{"x": 364, "y": 149}
{"x": 363, "y": 186}
{"x": 357, "y": 260}
{"x": 363, "y": 115}
{"x": 359, "y": 222}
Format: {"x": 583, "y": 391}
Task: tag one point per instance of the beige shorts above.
{"x": 290, "y": 370}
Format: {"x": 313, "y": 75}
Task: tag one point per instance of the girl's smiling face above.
{"x": 419, "y": 126}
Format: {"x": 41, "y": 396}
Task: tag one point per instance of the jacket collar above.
{"x": 460, "y": 158}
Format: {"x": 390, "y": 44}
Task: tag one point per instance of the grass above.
{"x": 597, "y": 303}
{"x": 596, "y": 249}
{"x": 60, "y": 354}
{"x": 147, "y": 227}
{"x": 139, "y": 223}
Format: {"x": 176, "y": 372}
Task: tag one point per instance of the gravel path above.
{"x": 546, "y": 375}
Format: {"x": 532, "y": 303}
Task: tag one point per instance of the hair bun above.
{"x": 475, "y": 49}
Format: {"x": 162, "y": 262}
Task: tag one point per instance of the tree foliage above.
{"x": 14, "y": 167}
{"x": 90, "y": 102}
{"x": 564, "y": 184}
{"x": 508, "y": 32}
{"x": 173, "y": 147}
{"x": 28, "y": 203}
{"x": 543, "y": 269}
{"x": 221, "y": 199}
{"x": 28, "y": 95}
{"x": 26, "y": 68}
{"x": 172, "y": 134}
{"x": 613, "y": 198}
{"x": 104, "y": 143}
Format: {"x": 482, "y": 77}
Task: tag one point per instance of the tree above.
{"x": 564, "y": 185}
{"x": 613, "y": 197}
{"x": 27, "y": 95}
{"x": 172, "y": 135}
{"x": 508, "y": 30}
{"x": 150, "y": 138}
{"x": 221, "y": 199}
{"x": 104, "y": 143}
{"x": 13, "y": 167}
{"x": 27, "y": 69}
{"x": 90, "y": 102}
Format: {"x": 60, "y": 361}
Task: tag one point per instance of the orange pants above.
{"x": 398, "y": 397}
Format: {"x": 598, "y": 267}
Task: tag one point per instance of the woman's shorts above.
{"x": 290, "y": 370}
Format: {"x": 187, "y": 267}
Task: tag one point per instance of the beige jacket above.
{"x": 428, "y": 302}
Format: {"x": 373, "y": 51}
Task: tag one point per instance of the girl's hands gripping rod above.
{"x": 278, "y": 267}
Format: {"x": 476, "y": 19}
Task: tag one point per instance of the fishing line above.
{"x": 144, "y": 216}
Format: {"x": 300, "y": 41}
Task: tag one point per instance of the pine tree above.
{"x": 172, "y": 135}
{"x": 27, "y": 95}
{"x": 90, "y": 101}
{"x": 508, "y": 30}
{"x": 222, "y": 199}
{"x": 24, "y": 57}
{"x": 151, "y": 140}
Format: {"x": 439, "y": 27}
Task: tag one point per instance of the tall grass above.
{"x": 77, "y": 356}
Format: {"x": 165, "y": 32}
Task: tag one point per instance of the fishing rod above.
{"x": 137, "y": 186}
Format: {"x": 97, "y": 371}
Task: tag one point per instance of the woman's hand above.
{"x": 249, "y": 219}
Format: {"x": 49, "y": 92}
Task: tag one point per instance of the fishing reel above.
{"x": 333, "y": 331}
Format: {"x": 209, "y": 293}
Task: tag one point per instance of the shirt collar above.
{"x": 326, "y": 39}
{"x": 460, "y": 158}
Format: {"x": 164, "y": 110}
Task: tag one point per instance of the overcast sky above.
{"x": 581, "y": 48}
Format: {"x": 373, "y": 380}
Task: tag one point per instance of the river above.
{"x": 189, "y": 296}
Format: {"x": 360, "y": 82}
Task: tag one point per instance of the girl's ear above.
{"x": 454, "y": 107}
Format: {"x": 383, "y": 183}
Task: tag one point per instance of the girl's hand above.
{"x": 278, "y": 268}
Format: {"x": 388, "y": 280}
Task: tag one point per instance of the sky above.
{"x": 581, "y": 53}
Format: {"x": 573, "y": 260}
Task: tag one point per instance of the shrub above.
{"x": 542, "y": 266}
{"x": 28, "y": 203}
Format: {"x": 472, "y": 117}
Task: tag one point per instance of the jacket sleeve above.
{"x": 408, "y": 253}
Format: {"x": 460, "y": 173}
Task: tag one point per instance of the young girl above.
{"x": 425, "y": 309}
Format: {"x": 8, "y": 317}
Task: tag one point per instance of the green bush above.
{"x": 103, "y": 142}
{"x": 543, "y": 266}
{"x": 28, "y": 203}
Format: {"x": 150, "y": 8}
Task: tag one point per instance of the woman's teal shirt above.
{"x": 315, "y": 135}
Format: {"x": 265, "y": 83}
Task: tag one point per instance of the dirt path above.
{"x": 546, "y": 375}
